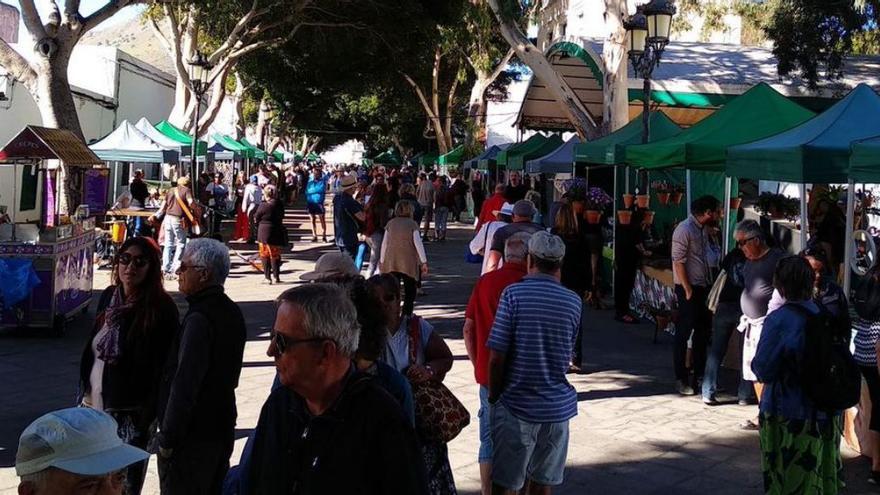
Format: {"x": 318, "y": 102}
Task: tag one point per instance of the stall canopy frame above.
{"x": 611, "y": 149}
{"x": 35, "y": 142}
{"x": 258, "y": 153}
{"x": 128, "y": 144}
{"x": 558, "y": 161}
{"x": 181, "y": 136}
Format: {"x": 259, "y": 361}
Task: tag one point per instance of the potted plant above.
{"x": 677, "y": 194}
{"x": 778, "y": 206}
{"x": 624, "y": 216}
{"x": 596, "y": 201}
{"x": 662, "y": 189}
{"x": 576, "y": 192}
{"x": 649, "y": 217}
{"x": 628, "y": 200}
{"x": 642, "y": 200}
{"x": 735, "y": 203}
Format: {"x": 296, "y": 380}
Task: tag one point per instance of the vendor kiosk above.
{"x": 46, "y": 258}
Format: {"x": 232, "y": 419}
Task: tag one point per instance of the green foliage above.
{"x": 753, "y": 15}
{"x": 812, "y": 37}
{"x": 866, "y": 42}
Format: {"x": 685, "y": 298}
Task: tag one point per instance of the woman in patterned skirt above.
{"x": 800, "y": 444}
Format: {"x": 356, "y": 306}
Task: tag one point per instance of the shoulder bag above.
{"x": 476, "y": 258}
{"x": 440, "y": 416}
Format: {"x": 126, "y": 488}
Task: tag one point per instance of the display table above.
{"x": 133, "y": 212}
{"x": 65, "y": 271}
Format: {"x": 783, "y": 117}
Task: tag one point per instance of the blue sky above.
{"x": 86, "y": 8}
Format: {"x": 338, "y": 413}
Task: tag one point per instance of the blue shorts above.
{"x": 524, "y": 450}
{"x": 315, "y": 208}
{"x": 485, "y": 416}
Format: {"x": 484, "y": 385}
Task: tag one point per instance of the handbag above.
{"x": 440, "y": 416}
{"x": 715, "y": 291}
{"x": 476, "y": 258}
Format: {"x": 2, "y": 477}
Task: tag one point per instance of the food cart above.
{"x": 47, "y": 257}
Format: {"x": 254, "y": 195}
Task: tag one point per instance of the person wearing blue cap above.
{"x": 74, "y": 450}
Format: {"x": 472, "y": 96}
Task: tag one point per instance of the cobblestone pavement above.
{"x": 632, "y": 434}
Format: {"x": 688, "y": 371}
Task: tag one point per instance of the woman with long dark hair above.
{"x": 575, "y": 273}
{"x": 123, "y": 359}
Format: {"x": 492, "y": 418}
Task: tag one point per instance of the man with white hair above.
{"x": 329, "y": 428}
{"x": 197, "y": 400}
{"x": 530, "y": 348}
{"x": 73, "y": 451}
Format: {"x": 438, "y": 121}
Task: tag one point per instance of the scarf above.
{"x": 108, "y": 343}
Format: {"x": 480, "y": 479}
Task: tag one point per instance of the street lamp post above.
{"x": 648, "y": 36}
{"x": 199, "y": 72}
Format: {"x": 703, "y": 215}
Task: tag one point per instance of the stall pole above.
{"x": 687, "y": 186}
{"x": 725, "y": 235}
{"x": 115, "y": 181}
{"x": 626, "y": 180}
{"x": 848, "y": 245}
{"x": 804, "y": 214}
{"x": 13, "y": 213}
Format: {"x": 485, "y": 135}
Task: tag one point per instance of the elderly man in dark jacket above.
{"x": 197, "y": 421}
{"x": 330, "y": 428}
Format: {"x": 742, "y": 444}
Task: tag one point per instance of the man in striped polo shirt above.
{"x": 530, "y": 349}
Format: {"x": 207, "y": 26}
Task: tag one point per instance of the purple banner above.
{"x": 49, "y": 200}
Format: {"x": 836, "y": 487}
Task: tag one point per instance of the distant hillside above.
{"x": 136, "y": 39}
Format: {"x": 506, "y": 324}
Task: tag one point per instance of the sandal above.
{"x": 749, "y": 425}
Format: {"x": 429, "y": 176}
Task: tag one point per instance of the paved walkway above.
{"x": 632, "y": 434}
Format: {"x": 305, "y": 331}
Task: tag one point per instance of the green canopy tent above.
{"x": 426, "y": 159}
{"x": 611, "y": 149}
{"x": 817, "y": 151}
{"x": 515, "y": 157}
{"x": 759, "y": 112}
{"x": 278, "y": 156}
{"x": 453, "y": 157}
{"x": 312, "y": 157}
{"x": 389, "y": 157}
{"x": 180, "y": 136}
{"x": 230, "y": 144}
{"x": 488, "y": 159}
{"x": 258, "y": 153}
{"x": 864, "y": 163}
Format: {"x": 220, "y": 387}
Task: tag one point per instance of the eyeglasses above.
{"x": 743, "y": 242}
{"x": 282, "y": 343}
{"x": 139, "y": 261}
{"x": 184, "y": 267}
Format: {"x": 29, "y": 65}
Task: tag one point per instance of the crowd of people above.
{"x": 358, "y": 404}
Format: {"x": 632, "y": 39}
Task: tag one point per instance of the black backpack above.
{"x": 831, "y": 377}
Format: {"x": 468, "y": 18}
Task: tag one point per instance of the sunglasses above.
{"x": 184, "y": 267}
{"x": 743, "y": 242}
{"x": 283, "y": 343}
{"x": 139, "y": 261}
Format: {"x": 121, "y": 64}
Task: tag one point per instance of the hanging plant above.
{"x": 597, "y": 199}
{"x": 778, "y": 206}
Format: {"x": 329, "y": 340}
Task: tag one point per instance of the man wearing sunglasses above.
{"x": 197, "y": 395}
{"x": 329, "y": 428}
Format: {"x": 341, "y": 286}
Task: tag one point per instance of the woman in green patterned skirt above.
{"x": 800, "y": 445}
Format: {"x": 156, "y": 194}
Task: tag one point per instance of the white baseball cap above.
{"x": 506, "y": 209}
{"x": 78, "y": 440}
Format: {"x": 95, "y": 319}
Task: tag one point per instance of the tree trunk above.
{"x": 263, "y": 118}
{"x": 477, "y": 111}
{"x": 181, "y": 103}
{"x": 530, "y": 55}
{"x": 615, "y": 93}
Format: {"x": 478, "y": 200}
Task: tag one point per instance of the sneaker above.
{"x": 315, "y": 239}
{"x": 683, "y": 388}
{"x": 710, "y": 401}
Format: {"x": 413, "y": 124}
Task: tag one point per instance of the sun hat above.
{"x": 524, "y": 208}
{"x": 546, "y": 246}
{"x": 78, "y": 440}
{"x": 506, "y": 209}
{"x": 331, "y": 265}
{"x": 348, "y": 181}
{"x": 183, "y": 181}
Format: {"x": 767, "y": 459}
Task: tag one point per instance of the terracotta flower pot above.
{"x": 649, "y": 217}
{"x": 642, "y": 200}
{"x": 624, "y": 216}
{"x": 592, "y": 216}
{"x": 675, "y": 198}
{"x": 662, "y": 321}
{"x": 735, "y": 203}
{"x": 663, "y": 198}
{"x": 628, "y": 200}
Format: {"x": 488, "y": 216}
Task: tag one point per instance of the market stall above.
{"x": 391, "y": 157}
{"x": 701, "y": 150}
{"x": 821, "y": 150}
{"x": 45, "y": 258}
{"x": 653, "y": 288}
{"x": 451, "y": 159}
{"x": 125, "y": 146}
{"x": 515, "y": 157}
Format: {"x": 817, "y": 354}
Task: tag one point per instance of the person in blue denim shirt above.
{"x": 800, "y": 444}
